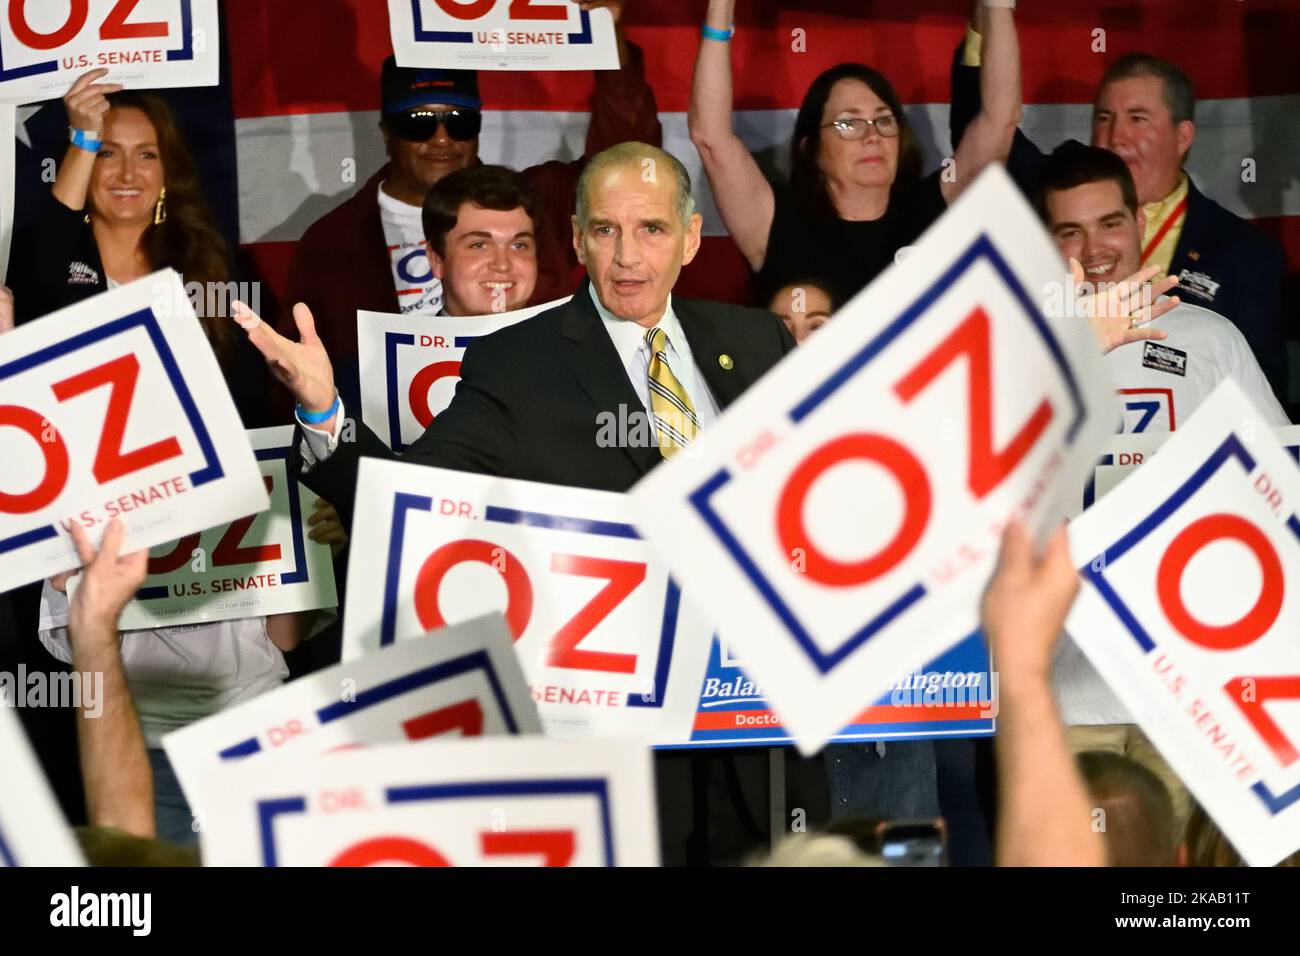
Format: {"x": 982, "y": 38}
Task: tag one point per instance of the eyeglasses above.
{"x": 855, "y": 127}
{"x": 420, "y": 125}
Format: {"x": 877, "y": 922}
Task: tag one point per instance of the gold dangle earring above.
{"x": 160, "y": 210}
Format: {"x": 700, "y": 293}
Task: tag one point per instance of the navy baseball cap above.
{"x": 403, "y": 88}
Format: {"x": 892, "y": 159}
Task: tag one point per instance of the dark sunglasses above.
{"x": 420, "y": 125}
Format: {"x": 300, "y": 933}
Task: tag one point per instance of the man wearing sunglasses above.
{"x": 369, "y": 253}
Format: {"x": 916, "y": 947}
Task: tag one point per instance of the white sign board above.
{"x": 254, "y": 566}
{"x": 1190, "y": 611}
{"x": 145, "y": 44}
{"x": 116, "y": 407}
{"x": 33, "y": 831}
{"x": 502, "y": 35}
{"x": 842, "y": 518}
{"x": 490, "y": 801}
{"x": 607, "y": 644}
{"x": 462, "y": 680}
{"x": 410, "y": 364}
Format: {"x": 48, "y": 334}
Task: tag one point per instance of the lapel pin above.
{"x": 725, "y": 361}
{"x": 1193, "y": 255}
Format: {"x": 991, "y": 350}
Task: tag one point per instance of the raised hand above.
{"x": 303, "y": 367}
{"x": 108, "y": 581}
{"x": 87, "y": 101}
{"x": 1026, "y": 602}
{"x": 615, "y": 7}
{"x": 1117, "y": 314}
{"x": 327, "y": 526}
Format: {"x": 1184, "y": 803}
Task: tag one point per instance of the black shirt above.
{"x": 844, "y": 254}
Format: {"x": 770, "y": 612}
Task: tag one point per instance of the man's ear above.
{"x": 1180, "y": 854}
{"x": 577, "y": 240}
{"x": 1186, "y": 132}
{"x": 692, "y": 238}
{"x": 435, "y": 263}
{"x": 1141, "y": 218}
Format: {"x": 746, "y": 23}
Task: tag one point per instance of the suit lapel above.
{"x": 725, "y": 374}
{"x": 593, "y": 361}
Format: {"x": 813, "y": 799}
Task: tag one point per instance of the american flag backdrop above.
{"x": 293, "y": 131}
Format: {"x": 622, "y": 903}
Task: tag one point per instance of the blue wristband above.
{"x": 316, "y": 418}
{"x": 84, "y": 139}
{"x": 713, "y": 33}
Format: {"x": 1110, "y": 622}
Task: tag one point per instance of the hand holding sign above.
{"x": 6, "y": 309}
{"x": 108, "y": 580}
{"x": 1116, "y": 318}
{"x": 303, "y": 367}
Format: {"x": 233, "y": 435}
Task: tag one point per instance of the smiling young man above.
{"x": 479, "y": 224}
{"x": 1090, "y": 204}
{"x": 1144, "y": 112}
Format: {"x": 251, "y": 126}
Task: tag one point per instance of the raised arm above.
{"x": 623, "y": 106}
{"x": 988, "y": 137}
{"x": 742, "y": 194}
{"x": 1044, "y": 819}
{"x": 87, "y": 104}
{"x": 114, "y": 762}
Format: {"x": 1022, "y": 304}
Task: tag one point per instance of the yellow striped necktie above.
{"x": 670, "y": 406}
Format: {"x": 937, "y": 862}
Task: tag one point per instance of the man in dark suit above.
{"x": 533, "y": 398}
{"x": 1144, "y": 113}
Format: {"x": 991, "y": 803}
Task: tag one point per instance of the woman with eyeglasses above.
{"x": 856, "y": 194}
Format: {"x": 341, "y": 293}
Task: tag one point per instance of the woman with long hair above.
{"x": 126, "y": 203}
{"x": 856, "y": 194}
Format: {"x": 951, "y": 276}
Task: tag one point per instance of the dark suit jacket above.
{"x": 530, "y": 398}
{"x": 1247, "y": 266}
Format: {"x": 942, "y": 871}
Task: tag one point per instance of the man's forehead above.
{"x": 1133, "y": 92}
{"x": 471, "y": 217}
{"x": 626, "y": 189}
{"x": 1090, "y": 201}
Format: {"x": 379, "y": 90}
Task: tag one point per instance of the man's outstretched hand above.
{"x": 303, "y": 367}
{"x": 109, "y": 581}
{"x": 1118, "y": 314}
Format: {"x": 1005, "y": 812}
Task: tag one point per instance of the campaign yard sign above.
{"x": 461, "y": 680}
{"x": 607, "y": 643}
{"x": 33, "y": 831}
{"x": 145, "y": 44}
{"x": 502, "y": 35}
{"x": 1190, "y": 611}
{"x": 254, "y": 566}
{"x": 839, "y": 522}
{"x": 116, "y": 407}
{"x": 410, "y": 364}
{"x": 488, "y": 801}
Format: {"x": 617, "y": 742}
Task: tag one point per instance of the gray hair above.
{"x": 649, "y": 159}
{"x": 1179, "y": 96}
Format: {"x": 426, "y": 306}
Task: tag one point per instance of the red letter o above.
{"x": 1186, "y": 546}
{"x": 519, "y": 590}
{"x": 25, "y": 35}
{"x": 390, "y": 850}
{"x": 418, "y": 394}
{"x": 907, "y": 471}
{"x": 56, "y": 462}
